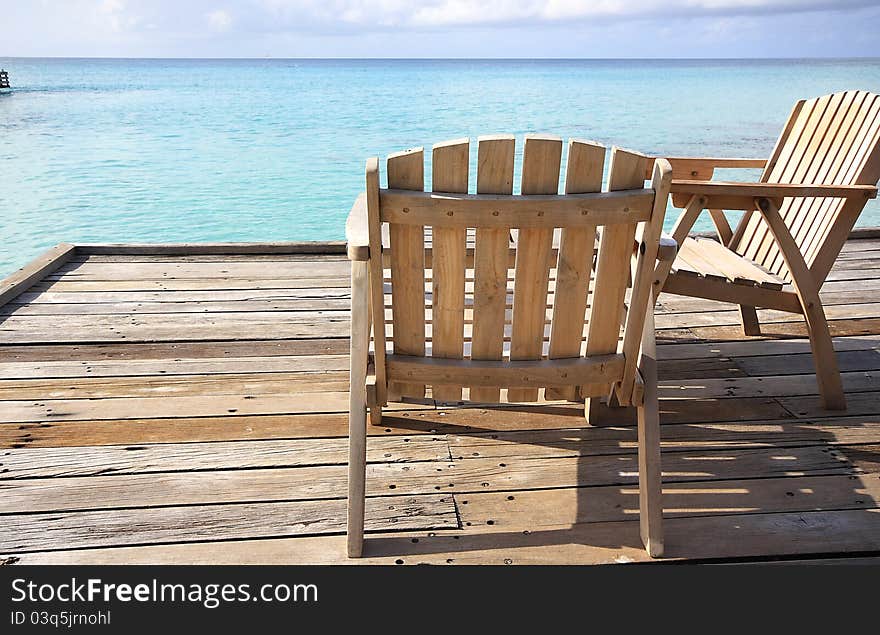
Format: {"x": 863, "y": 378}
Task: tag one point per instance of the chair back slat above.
{"x": 406, "y": 171}
{"x": 831, "y": 230}
{"x": 803, "y": 214}
{"x": 495, "y": 156}
{"x": 798, "y": 167}
{"x": 449, "y": 173}
{"x": 586, "y": 163}
{"x": 540, "y": 175}
{"x": 627, "y": 171}
{"x": 828, "y": 140}
{"x": 504, "y": 316}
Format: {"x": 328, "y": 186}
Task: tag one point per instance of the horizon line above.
{"x": 444, "y": 59}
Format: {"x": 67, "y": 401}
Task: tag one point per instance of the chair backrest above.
{"x": 833, "y": 139}
{"x": 471, "y": 309}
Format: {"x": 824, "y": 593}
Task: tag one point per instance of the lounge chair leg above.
{"x": 592, "y": 410}
{"x": 650, "y": 486}
{"x": 376, "y": 416}
{"x": 357, "y": 414}
{"x": 749, "y": 317}
{"x": 824, "y": 358}
{"x": 827, "y": 371}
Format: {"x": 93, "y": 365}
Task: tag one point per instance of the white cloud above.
{"x": 219, "y": 20}
{"x": 441, "y": 13}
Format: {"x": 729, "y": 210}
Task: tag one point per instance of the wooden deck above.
{"x": 189, "y": 407}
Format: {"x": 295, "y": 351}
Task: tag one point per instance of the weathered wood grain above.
{"x": 107, "y": 460}
{"x": 77, "y": 530}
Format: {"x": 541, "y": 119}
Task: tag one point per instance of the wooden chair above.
{"x": 796, "y": 219}
{"x": 453, "y": 274}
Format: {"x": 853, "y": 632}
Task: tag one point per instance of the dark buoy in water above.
{"x": 4, "y": 82}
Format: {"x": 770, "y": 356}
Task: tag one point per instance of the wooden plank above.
{"x": 230, "y": 427}
{"x": 736, "y": 294}
{"x": 323, "y": 247}
{"x": 523, "y": 211}
{"x": 78, "y": 530}
{"x": 514, "y": 373}
{"x": 691, "y": 438}
{"x": 247, "y": 269}
{"x": 732, "y": 265}
{"x": 55, "y": 375}
{"x": 748, "y": 348}
{"x": 338, "y": 280}
{"x": 691, "y": 258}
{"x": 494, "y": 176}
{"x": 68, "y": 299}
{"x": 540, "y": 175}
{"x": 449, "y": 174}
{"x": 142, "y": 308}
{"x": 406, "y": 172}
{"x": 520, "y": 510}
{"x": 586, "y": 163}
{"x": 713, "y": 537}
{"x": 176, "y": 327}
{"x": 122, "y": 351}
{"x": 569, "y": 502}
{"x": 612, "y": 267}
{"x": 176, "y": 385}
{"x": 165, "y": 457}
{"x": 34, "y": 271}
{"x": 193, "y": 406}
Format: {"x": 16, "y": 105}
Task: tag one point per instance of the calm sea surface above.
{"x": 255, "y": 150}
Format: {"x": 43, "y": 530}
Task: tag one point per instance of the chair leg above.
{"x": 749, "y": 317}
{"x": 601, "y": 414}
{"x": 357, "y": 415}
{"x": 824, "y": 358}
{"x": 650, "y": 486}
{"x": 376, "y": 415}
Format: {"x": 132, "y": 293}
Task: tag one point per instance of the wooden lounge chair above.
{"x": 471, "y": 344}
{"x": 796, "y": 219}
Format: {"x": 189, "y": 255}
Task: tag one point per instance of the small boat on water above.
{"x": 4, "y": 82}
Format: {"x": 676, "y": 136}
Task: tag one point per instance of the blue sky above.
{"x": 440, "y": 28}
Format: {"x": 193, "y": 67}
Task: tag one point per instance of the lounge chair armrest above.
{"x": 736, "y": 196}
{"x": 357, "y": 230}
{"x": 668, "y": 248}
{"x": 704, "y": 167}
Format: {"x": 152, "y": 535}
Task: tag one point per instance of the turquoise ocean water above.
{"x": 254, "y": 150}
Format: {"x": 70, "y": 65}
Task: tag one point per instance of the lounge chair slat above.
{"x": 540, "y": 175}
{"x": 797, "y": 166}
{"x": 612, "y": 266}
{"x": 494, "y": 176}
{"x": 586, "y": 164}
{"x": 797, "y": 137}
{"x": 406, "y": 172}
{"x": 524, "y": 374}
{"x": 735, "y": 268}
{"x": 449, "y": 173}
{"x": 801, "y": 215}
{"x": 864, "y": 169}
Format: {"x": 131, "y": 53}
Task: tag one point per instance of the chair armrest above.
{"x": 741, "y": 196}
{"x": 668, "y": 248}
{"x": 357, "y": 230}
{"x": 703, "y": 167}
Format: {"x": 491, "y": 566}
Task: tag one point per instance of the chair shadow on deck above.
{"x": 573, "y": 490}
